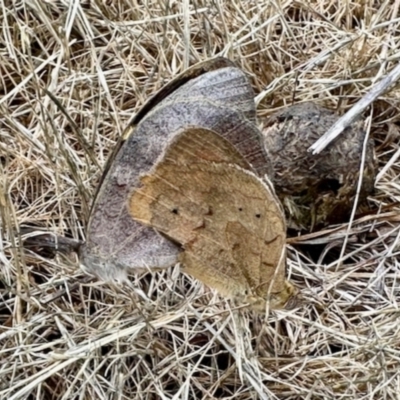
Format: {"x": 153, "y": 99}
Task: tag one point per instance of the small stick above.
{"x": 343, "y": 122}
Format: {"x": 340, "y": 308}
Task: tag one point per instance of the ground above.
{"x": 63, "y": 336}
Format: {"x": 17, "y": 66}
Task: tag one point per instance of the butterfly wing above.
{"x": 227, "y": 219}
{"x": 170, "y": 183}
{"x": 241, "y": 97}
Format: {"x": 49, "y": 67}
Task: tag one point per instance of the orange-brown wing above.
{"x": 263, "y": 257}
{"x": 227, "y": 219}
{"x": 228, "y": 251}
{"x": 196, "y": 144}
{"x": 172, "y": 185}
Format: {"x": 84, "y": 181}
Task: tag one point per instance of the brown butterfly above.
{"x": 204, "y": 195}
{"x": 214, "y": 95}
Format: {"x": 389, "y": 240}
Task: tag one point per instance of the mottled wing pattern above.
{"x": 194, "y": 144}
{"x": 226, "y": 218}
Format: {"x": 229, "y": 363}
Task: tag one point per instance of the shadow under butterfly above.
{"x": 214, "y": 98}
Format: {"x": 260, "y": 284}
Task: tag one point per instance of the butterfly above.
{"x": 204, "y": 195}
{"x": 213, "y": 95}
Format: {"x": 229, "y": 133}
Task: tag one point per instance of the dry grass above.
{"x": 62, "y": 337}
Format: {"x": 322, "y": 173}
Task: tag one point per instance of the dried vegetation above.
{"x": 64, "y": 337}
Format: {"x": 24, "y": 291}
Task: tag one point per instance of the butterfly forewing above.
{"x": 226, "y": 218}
